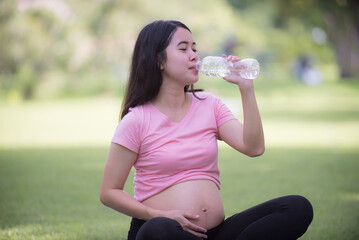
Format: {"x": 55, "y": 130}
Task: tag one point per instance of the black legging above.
{"x": 284, "y": 218}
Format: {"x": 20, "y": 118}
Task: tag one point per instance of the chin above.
{"x": 190, "y": 83}
{"x": 190, "y": 79}
{"x": 194, "y": 80}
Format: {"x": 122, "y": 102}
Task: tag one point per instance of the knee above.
{"x": 159, "y": 228}
{"x": 302, "y": 209}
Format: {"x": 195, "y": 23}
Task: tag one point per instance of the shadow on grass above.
{"x": 53, "y": 193}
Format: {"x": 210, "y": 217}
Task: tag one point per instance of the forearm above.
{"x": 124, "y": 203}
{"x": 250, "y": 138}
{"x": 253, "y": 137}
{"x": 120, "y": 201}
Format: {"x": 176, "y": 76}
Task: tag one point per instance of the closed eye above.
{"x": 185, "y": 49}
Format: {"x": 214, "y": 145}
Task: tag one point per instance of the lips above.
{"x": 193, "y": 68}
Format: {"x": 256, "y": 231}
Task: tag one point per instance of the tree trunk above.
{"x": 344, "y": 35}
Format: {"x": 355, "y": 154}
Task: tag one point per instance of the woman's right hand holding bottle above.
{"x": 236, "y": 78}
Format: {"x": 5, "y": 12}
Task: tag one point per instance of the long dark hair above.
{"x": 149, "y": 53}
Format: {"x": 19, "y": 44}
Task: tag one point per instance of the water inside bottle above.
{"x": 218, "y": 67}
{"x": 214, "y": 67}
{"x": 247, "y": 68}
{"x": 249, "y": 73}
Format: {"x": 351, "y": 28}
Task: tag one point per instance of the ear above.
{"x": 161, "y": 61}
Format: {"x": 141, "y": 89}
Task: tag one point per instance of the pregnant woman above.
{"x": 168, "y": 132}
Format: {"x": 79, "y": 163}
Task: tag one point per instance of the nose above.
{"x": 194, "y": 56}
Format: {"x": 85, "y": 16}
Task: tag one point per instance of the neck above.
{"x": 171, "y": 96}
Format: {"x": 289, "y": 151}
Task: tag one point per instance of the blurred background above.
{"x": 59, "y": 48}
{"x": 63, "y": 68}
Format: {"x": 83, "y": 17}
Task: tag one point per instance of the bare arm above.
{"x": 248, "y": 137}
{"x": 118, "y": 165}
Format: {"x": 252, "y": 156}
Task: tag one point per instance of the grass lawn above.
{"x": 52, "y": 156}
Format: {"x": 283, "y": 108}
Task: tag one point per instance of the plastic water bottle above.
{"x": 220, "y": 67}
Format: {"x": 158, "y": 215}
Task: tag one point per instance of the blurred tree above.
{"x": 7, "y": 63}
{"x": 61, "y": 47}
{"x": 88, "y": 46}
{"x": 340, "y": 18}
{"x": 28, "y": 47}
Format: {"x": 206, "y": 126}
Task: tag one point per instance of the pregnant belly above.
{"x": 199, "y": 197}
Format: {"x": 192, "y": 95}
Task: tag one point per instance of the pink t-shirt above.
{"x": 173, "y": 152}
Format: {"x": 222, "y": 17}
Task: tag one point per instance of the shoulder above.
{"x": 136, "y": 112}
{"x": 133, "y": 118}
{"x": 205, "y": 98}
{"x": 129, "y": 130}
{"x": 132, "y": 123}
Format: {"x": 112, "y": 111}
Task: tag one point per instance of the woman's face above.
{"x": 181, "y": 60}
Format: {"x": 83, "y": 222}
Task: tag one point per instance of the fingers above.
{"x": 194, "y": 229}
{"x": 231, "y": 58}
{"x": 232, "y": 78}
{"x": 191, "y": 227}
{"x": 191, "y": 216}
{"x": 184, "y": 218}
{"x": 197, "y": 234}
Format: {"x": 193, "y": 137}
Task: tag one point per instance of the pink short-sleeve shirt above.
{"x": 173, "y": 152}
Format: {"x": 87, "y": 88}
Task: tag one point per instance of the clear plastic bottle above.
{"x": 220, "y": 67}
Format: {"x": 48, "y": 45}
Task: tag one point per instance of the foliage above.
{"x": 64, "y": 48}
{"x": 339, "y": 18}
{"x": 29, "y": 47}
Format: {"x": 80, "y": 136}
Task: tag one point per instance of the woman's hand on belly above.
{"x": 186, "y": 222}
{"x": 196, "y": 205}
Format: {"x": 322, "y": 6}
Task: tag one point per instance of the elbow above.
{"x": 256, "y": 152}
{"x": 103, "y": 198}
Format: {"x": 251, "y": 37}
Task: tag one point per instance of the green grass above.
{"x": 53, "y": 194}
{"x": 52, "y": 156}
{"x": 328, "y": 178}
